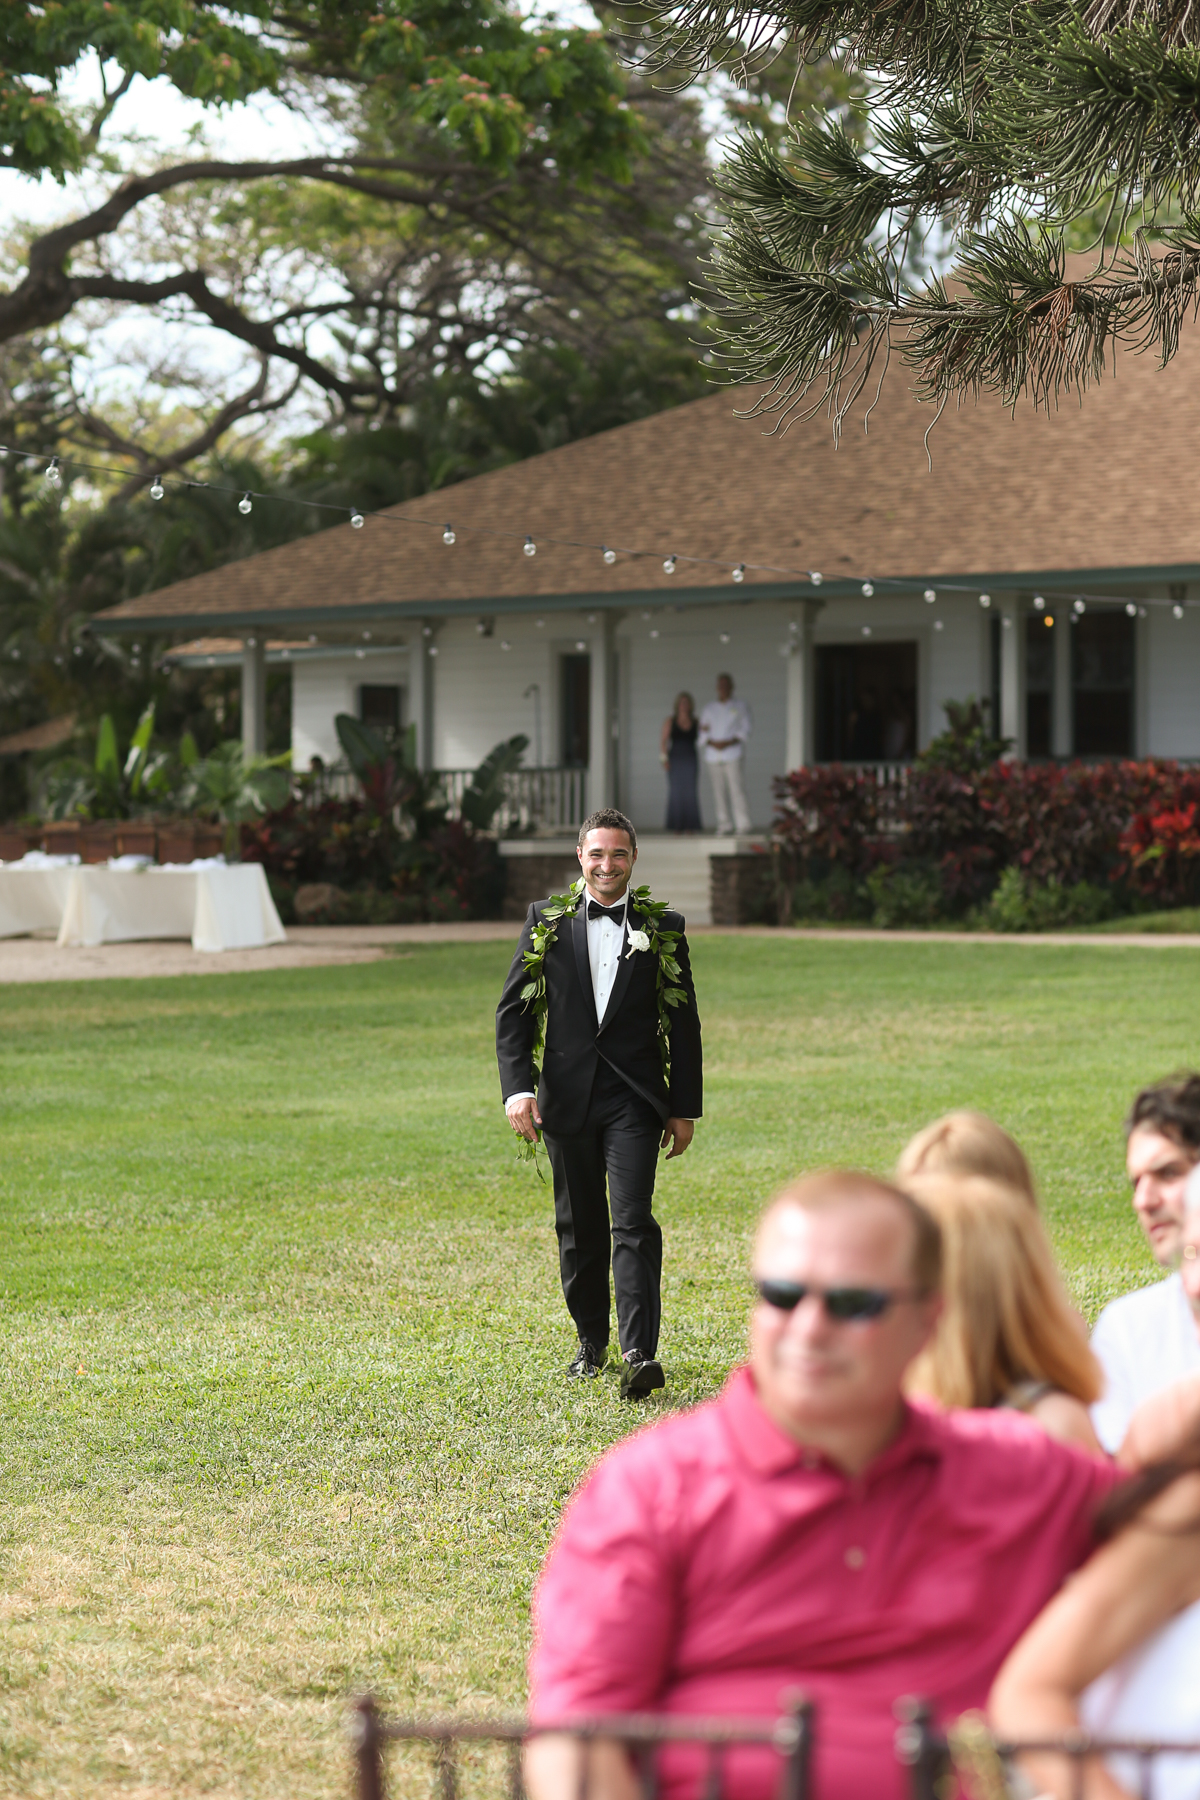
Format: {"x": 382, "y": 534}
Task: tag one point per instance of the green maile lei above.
{"x": 659, "y": 944}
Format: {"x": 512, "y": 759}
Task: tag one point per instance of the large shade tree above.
{"x": 1011, "y": 133}
{"x": 498, "y": 181}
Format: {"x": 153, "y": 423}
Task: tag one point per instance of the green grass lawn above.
{"x": 284, "y": 1412}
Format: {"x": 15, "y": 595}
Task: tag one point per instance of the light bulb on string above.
{"x": 1080, "y": 606}
{"x": 1177, "y": 610}
{"x": 669, "y": 566}
{"x": 1049, "y": 621}
{"x": 53, "y": 472}
{"x": 868, "y": 589}
{"x": 1130, "y": 609}
{"x": 1039, "y": 604}
{"x": 866, "y": 631}
{"x": 985, "y": 600}
{"x": 156, "y": 488}
{"x": 579, "y": 644}
{"x": 738, "y": 574}
{"x": 448, "y": 534}
{"x": 930, "y": 596}
{"x": 245, "y": 505}
{"x": 356, "y": 519}
{"x": 723, "y": 637}
{"x": 610, "y": 556}
{"x": 939, "y": 624}
{"x": 530, "y": 547}
{"x": 815, "y": 577}
{"x": 654, "y": 634}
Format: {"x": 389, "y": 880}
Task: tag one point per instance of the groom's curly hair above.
{"x": 607, "y": 818}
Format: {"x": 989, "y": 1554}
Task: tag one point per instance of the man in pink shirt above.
{"x": 810, "y": 1528}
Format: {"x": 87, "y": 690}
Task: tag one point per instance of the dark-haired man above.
{"x": 1148, "y": 1339}
{"x": 603, "y": 1103}
{"x": 809, "y": 1529}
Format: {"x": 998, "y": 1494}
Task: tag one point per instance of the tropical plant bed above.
{"x": 972, "y": 838}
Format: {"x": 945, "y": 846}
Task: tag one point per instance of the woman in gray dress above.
{"x": 683, "y": 769}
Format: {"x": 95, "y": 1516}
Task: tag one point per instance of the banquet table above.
{"x": 33, "y": 898}
{"x": 217, "y": 906}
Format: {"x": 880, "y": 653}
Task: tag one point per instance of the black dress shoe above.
{"x": 587, "y": 1362}
{"x": 640, "y": 1375}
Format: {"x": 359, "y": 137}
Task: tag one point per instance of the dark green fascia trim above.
{"x": 745, "y": 594}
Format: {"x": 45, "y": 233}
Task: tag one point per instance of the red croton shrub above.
{"x": 1132, "y": 823}
{"x": 828, "y": 816}
{"x": 1163, "y": 854}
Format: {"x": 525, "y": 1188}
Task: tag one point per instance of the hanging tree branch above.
{"x": 1005, "y": 128}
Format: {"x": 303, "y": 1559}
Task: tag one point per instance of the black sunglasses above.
{"x": 848, "y": 1305}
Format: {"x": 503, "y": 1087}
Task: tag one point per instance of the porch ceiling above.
{"x": 1090, "y": 498}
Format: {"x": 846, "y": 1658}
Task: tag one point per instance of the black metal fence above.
{"x": 644, "y": 1736}
{"x": 965, "y": 1759}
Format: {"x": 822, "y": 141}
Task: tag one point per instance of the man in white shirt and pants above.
{"x": 724, "y": 728}
{"x": 1150, "y": 1338}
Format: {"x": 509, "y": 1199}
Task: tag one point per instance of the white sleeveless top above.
{"x": 1153, "y": 1694}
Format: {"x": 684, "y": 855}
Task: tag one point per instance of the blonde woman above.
{"x": 967, "y": 1143}
{"x": 1008, "y": 1335}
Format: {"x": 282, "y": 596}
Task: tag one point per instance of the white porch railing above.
{"x": 535, "y": 800}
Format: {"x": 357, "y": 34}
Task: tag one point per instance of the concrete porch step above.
{"x": 675, "y": 869}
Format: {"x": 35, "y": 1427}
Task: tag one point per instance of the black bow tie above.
{"x": 615, "y": 913}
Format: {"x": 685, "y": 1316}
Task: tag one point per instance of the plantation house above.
{"x": 1047, "y": 564}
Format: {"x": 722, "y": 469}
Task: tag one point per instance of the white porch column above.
{"x": 254, "y": 695}
{"x": 601, "y": 747}
{"x": 422, "y": 661}
{"x": 1012, "y": 711}
{"x": 1061, "y": 712}
{"x": 798, "y": 717}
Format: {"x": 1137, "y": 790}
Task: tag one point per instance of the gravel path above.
{"x": 310, "y": 946}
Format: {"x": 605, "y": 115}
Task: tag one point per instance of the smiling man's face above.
{"x": 1158, "y": 1168}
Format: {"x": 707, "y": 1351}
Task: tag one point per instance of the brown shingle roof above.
{"x": 46, "y": 736}
{"x": 1102, "y": 487}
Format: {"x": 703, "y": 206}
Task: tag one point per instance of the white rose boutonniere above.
{"x": 638, "y": 940}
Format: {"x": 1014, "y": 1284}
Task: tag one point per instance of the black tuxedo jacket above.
{"x": 627, "y": 1038}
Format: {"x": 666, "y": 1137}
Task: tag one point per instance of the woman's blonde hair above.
{"x": 1006, "y": 1317}
{"x": 967, "y": 1143}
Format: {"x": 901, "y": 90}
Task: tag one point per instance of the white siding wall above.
{"x": 688, "y": 653}
{"x": 478, "y": 686}
{"x": 323, "y": 687}
{"x": 1170, "y": 681}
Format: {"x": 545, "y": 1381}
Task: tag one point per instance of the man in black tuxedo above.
{"x": 603, "y": 1104}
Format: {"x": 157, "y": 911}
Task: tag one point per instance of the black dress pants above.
{"x": 619, "y": 1143}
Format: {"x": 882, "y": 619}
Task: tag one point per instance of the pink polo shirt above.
{"x": 709, "y": 1565}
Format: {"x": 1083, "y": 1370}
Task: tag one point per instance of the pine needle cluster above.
{"x": 1007, "y": 131}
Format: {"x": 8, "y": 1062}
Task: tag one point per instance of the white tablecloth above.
{"x": 218, "y": 907}
{"x": 32, "y": 899}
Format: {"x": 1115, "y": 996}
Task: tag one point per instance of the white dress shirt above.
{"x": 724, "y": 719}
{"x": 605, "y": 939}
{"x": 1144, "y": 1341}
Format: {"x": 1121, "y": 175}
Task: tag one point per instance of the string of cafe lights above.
{"x": 244, "y": 498}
